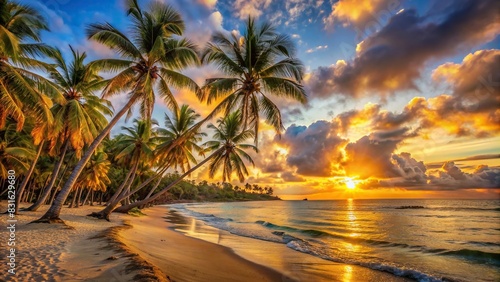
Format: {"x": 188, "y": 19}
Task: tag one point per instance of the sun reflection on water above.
{"x": 347, "y": 273}
{"x": 351, "y": 218}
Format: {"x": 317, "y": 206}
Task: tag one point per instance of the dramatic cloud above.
{"x": 475, "y": 84}
{"x": 368, "y": 157}
{"x": 392, "y": 58}
{"x": 361, "y": 14}
{"x": 313, "y": 150}
{"x": 452, "y": 177}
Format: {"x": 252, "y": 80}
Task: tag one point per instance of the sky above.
{"x": 403, "y": 96}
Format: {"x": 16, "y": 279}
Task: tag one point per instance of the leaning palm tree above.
{"x": 258, "y": 65}
{"x": 151, "y": 58}
{"x": 22, "y": 91}
{"x": 80, "y": 117}
{"x": 178, "y": 130}
{"x": 134, "y": 146}
{"x": 228, "y": 152}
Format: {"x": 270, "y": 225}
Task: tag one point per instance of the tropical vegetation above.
{"x": 56, "y": 118}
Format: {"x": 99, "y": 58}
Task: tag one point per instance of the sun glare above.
{"x": 349, "y": 183}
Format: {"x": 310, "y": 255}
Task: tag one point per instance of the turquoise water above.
{"x": 446, "y": 240}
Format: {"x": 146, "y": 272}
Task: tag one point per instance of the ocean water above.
{"x": 446, "y": 240}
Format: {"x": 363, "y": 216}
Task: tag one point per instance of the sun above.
{"x": 349, "y": 183}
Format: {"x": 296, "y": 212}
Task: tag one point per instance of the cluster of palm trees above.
{"x": 63, "y": 115}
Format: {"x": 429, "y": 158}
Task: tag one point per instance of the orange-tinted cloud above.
{"x": 362, "y": 13}
{"x": 392, "y": 59}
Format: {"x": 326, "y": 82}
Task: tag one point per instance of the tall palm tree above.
{"x": 80, "y": 117}
{"x": 151, "y": 59}
{"x": 21, "y": 90}
{"x": 227, "y": 152}
{"x": 179, "y": 156}
{"x": 258, "y": 65}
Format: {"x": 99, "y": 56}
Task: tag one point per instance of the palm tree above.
{"x": 95, "y": 175}
{"x": 80, "y": 117}
{"x": 227, "y": 151}
{"x": 22, "y": 91}
{"x": 258, "y": 65}
{"x": 179, "y": 127}
{"x": 16, "y": 151}
{"x": 151, "y": 59}
{"x": 134, "y": 146}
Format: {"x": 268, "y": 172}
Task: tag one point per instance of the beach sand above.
{"x": 146, "y": 248}
{"x": 81, "y": 250}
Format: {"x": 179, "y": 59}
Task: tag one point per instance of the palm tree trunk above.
{"x": 92, "y": 198}
{"x": 86, "y": 197}
{"x": 75, "y": 195}
{"x": 20, "y": 191}
{"x": 79, "y": 198}
{"x": 53, "y": 196}
{"x": 124, "y": 183}
{"x": 53, "y": 179}
{"x": 126, "y": 191}
{"x": 52, "y": 215}
{"x": 125, "y": 209}
{"x": 153, "y": 189}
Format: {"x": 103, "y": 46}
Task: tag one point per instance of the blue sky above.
{"x": 412, "y": 77}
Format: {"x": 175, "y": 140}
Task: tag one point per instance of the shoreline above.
{"x": 148, "y": 248}
{"x": 151, "y": 234}
{"x": 186, "y": 258}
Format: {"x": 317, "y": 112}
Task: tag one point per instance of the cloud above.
{"x": 53, "y": 16}
{"x": 313, "y": 150}
{"x": 253, "y": 8}
{"x": 292, "y": 177}
{"x": 317, "y": 48}
{"x": 475, "y": 83}
{"x": 369, "y": 157}
{"x": 452, "y": 177}
{"x": 362, "y": 13}
{"x": 208, "y": 3}
{"x": 392, "y": 58}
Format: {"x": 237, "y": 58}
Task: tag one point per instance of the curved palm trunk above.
{"x": 125, "y": 209}
{"x": 21, "y": 189}
{"x": 153, "y": 189}
{"x": 52, "y": 181}
{"x": 126, "y": 190}
{"x": 104, "y": 214}
{"x": 123, "y": 185}
{"x": 52, "y": 215}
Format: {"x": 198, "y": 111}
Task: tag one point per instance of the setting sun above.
{"x": 349, "y": 183}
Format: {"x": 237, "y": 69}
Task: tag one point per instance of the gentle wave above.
{"x": 475, "y": 255}
{"x": 304, "y": 247}
{"x": 306, "y": 241}
{"x": 471, "y": 255}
